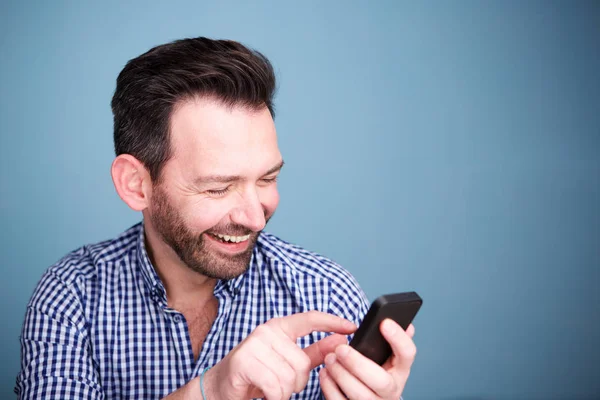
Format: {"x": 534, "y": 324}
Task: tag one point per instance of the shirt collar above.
{"x": 153, "y": 282}
{"x": 151, "y": 278}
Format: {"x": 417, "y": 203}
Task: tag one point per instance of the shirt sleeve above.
{"x": 347, "y": 299}
{"x": 56, "y": 357}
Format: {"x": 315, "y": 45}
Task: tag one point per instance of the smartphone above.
{"x": 400, "y": 307}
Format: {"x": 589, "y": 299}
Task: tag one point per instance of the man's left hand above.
{"x": 350, "y": 375}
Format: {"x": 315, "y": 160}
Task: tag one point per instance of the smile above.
{"x": 230, "y": 239}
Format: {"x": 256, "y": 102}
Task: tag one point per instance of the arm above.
{"x": 56, "y": 360}
{"x": 268, "y": 363}
{"x": 346, "y": 298}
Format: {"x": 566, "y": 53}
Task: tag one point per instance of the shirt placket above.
{"x": 181, "y": 341}
{"x": 212, "y": 339}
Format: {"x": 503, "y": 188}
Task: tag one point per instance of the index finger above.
{"x": 301, "y": 324}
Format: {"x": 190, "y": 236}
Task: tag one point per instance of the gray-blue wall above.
{"x": 450, "y": 147}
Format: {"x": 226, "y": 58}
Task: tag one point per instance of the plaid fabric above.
{"x": 98, "y": 325}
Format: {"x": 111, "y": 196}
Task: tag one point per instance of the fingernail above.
{"x": 342, "y": 350}
{"x": 330, "y": 359}
{"x": 389, "y": 327}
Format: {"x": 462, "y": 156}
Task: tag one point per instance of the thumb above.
{"x": 317, "y": 351}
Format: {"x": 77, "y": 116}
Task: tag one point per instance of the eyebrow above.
{"x": 232, "y": 178}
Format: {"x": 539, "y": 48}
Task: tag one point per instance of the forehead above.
{"x": 208, "y": 137}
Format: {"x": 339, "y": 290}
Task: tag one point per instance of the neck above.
{"x": 183, "y": 285}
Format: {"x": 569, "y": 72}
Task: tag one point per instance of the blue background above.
{"x": 450, "y": 148}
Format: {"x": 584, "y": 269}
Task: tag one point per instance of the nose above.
{"x": 249, "y": 212}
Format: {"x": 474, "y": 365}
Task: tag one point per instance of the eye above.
{"x": 218, "y": 192}
{"x": 269, "y": 180}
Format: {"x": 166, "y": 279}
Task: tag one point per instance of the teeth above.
{"x": 233, "y": 239}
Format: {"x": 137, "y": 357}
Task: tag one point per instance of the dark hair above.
{"x": 151, "y": 85}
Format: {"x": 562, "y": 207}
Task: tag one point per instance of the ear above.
{"x": 132, "y": 181}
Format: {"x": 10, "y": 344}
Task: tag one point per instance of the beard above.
{"x": 192, "y": 248}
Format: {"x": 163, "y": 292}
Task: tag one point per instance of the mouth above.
{"x": 229, "y": 239}
{"x": 230, "y": 243}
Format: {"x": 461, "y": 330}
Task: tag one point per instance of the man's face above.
{"x": 218, "y": 190}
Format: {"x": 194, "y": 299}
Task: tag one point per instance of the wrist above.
{"x": 202, "y": 376}
{"x": 193, "y": 390}
{"x": 206, "y": 384}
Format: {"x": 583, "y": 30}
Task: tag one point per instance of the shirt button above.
{"x": 177, "y": 318}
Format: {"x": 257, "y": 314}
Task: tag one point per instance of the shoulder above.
{"x": 344, "y": 293}
{"x": 304, "y": 261}
{"x": 79, "y": 269}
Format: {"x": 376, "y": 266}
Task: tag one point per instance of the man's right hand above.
{"x": 269, "y": 363}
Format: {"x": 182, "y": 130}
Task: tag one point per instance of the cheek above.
{"x": 204, "y": 216}
{"x": 270, "y": 201}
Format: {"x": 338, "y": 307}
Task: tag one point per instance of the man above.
{"x": 197, "y": 301}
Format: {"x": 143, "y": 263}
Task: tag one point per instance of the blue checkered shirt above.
{"x": 98, "y": 325}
